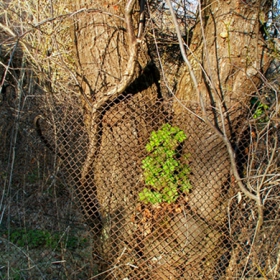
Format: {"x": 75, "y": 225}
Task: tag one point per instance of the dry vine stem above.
{"x": 222, "y": 135}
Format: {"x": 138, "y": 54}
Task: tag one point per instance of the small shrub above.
{"x": 165, "y": 175}
{"x": 260, "y": 113}
{"x": 260, "y": 110}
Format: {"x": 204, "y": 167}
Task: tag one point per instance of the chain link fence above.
{"x": 67, "y": 215}
{"x": 208, "y": 233}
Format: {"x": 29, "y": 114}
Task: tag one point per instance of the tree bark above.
{"x": 120, "y": 94}
{"x": 228, "y": 58}
{"x": 227, "y": 55}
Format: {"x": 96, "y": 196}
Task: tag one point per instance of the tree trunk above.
{"x": 120, "y": 110}
{"x": 227, "y": 54}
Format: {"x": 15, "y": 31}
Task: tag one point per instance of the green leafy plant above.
{"x": 34, "y": 238}
{"x": 165, "y": 175}
{"x": 259, "y": 110}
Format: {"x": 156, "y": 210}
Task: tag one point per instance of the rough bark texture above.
{"x": 231, "y": 51}
{"x": 227, "y": 55}
{"x": 118, "y": 130}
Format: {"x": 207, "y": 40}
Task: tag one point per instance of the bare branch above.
{"x": 141, "y": 20}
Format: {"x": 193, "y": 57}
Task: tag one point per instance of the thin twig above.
{"x": 165, "y": 79}
{"x": 8, "y": 66}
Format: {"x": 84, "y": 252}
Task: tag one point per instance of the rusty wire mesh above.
{"x": 98, "y": 228}
{"x": 207, "y": 234}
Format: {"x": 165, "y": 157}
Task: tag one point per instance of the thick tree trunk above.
{"x": 120, "y": 110}
{"x": 228, "y": 57}
{"x": 227, "y": 54}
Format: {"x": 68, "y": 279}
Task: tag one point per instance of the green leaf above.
{"x": 148, "y": 196}
{"x": 164, "y": 174}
